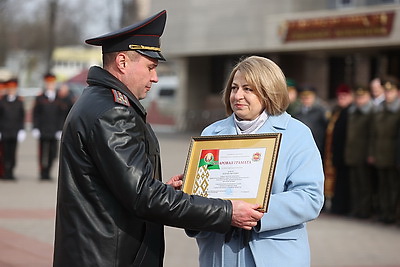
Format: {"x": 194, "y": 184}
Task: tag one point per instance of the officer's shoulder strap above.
{"x": 120, "y": 98}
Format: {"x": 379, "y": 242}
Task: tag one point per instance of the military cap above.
{"x": 49, "y": 77}
{"x": 361, "y": 90}
{"x": 307, "y": 90}
{"x": 12, "y": 83}
{"x": 143, "y": 37}
{"x": 291, "y": 84}
{"x": 343, "y": 89}
{"x": 390, "y": 83}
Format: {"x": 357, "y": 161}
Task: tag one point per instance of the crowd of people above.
{"x": 49, "y": 111}
{"x": 359, "y": 141}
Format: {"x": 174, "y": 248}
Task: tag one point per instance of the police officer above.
{"x": 111, "y": 203}
{"x": 12, "y": 115}
{"x": 47, "y": 125}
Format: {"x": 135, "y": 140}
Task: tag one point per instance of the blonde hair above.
{"x": 268, "y": 81}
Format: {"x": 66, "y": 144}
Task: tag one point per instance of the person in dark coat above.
{"x": 47, "y": 125}
{"x": 312, "y": 114}
{"x": 2, "y": 93}
{"x": 111, "y": 201}
{"x": 384, "y": 150}
{"x": 65, "y": 99}
{"x": 356, "y": 153}
{"x": 336, "y": 173}
{"x": 12, "y": 116}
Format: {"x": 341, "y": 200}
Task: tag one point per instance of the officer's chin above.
{"x": 143, "y": 97}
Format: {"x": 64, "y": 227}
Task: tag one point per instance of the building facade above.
{"x": 70, "y": 61}
{"x": 322, "y": 43}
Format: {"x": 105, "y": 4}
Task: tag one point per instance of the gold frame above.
{"x": 271, "y": 141}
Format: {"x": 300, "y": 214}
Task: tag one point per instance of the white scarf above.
{"x": 11, "y": 98}
{"x": 250, "y": 127}
{"x": 51, "y": 95}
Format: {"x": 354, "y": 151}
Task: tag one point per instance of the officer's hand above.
{"x": 245, "y": 215}
{"x": 36, "y": 133}
{"x": 176, "y": 181}
{"x": 21, "y": 136}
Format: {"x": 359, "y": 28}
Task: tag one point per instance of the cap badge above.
{"x": 143, "y": 47}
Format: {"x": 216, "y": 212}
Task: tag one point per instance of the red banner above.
{"x": 352, "y": 26}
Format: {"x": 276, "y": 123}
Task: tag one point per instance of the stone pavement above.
{"x": 27, "y": 222}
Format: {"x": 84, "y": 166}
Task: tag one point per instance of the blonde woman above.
{"x": 256, "y": 98}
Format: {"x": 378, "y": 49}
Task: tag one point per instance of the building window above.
{"x": 382, "y": 2}
{"x": 389, "y": 1}
{"x": 345, "y": 3}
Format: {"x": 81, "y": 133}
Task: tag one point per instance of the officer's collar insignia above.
{"x": 120, "y": 98}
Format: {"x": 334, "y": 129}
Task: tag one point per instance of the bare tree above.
{"x": 68, "y": 30}
{"x": 3, "y": 35}
{"x": 52, "y": 12}
{"x": 42, "y": 25}
{"x": 129, "y": 12}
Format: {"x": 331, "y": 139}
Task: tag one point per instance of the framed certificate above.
{"x": 235, "y": 167}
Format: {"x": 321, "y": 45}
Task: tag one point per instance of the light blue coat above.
{"x": 280, "y": 239}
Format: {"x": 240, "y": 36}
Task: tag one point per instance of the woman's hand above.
{"x": 175, "y": 181}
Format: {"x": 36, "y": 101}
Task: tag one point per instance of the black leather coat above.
{"x": 111, "y": 205}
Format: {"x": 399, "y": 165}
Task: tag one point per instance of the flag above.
{"x": 209, "y": 157}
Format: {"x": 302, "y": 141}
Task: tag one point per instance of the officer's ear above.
{"x": 121, "y": 61}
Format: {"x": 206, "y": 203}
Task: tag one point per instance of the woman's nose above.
{"x": 239, "y": 94}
